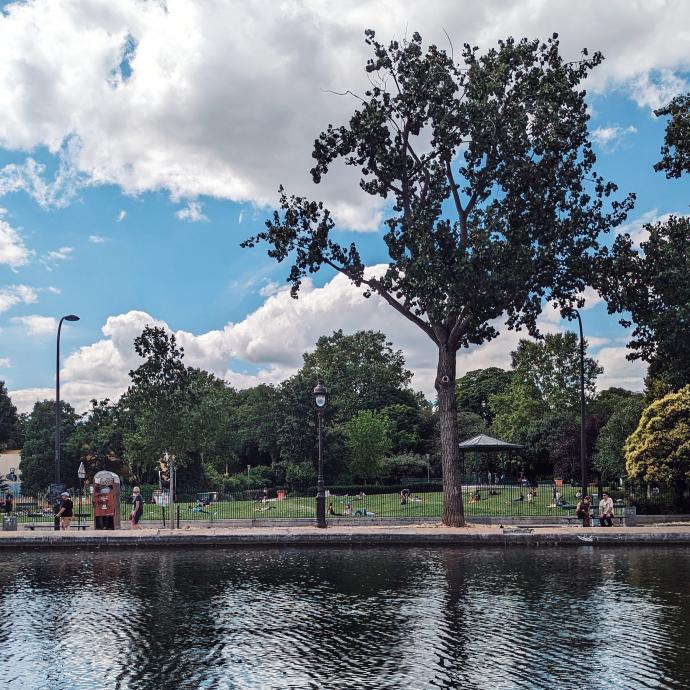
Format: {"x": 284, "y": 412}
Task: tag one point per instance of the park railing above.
{"x": 410, "y": 501}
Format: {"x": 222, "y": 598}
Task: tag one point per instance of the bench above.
{"x": 596, "y": 520}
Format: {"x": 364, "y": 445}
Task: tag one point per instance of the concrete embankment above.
{"x": 419, "y": 535}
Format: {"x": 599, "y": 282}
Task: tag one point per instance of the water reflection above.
{"x": 339, "y": 618}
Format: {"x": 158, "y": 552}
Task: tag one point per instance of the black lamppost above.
{"x": 320, "y": 400}
{"x": 69, "y": 317}
{"x": 81, "y": 473}
{"x": 583, "y": 448}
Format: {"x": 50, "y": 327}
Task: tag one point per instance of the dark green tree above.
{"x": 9, "y": 421}
{"x": 675, "y": 153}
{"x": 474, "y": 389}
{"x": 367, "y": 438}
{"x": 495, "y": 202}
{"x": 652, "y": 286}
{"x": 609, "y": 459}
{"x": 37, "y": 463}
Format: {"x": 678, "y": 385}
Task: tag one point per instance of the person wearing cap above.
{"x": 137, "y": 508}
{"x": 606, "y": 511}
{"x": 66, "y": 511}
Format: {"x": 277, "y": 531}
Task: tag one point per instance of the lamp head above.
{"x": 320, "y": 395}
{"x": 71, "y": 317}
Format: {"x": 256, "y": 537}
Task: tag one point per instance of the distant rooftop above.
{"x": 484, "y": 442}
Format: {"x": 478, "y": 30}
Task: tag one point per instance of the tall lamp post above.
{"x": 69, "y": 317}
{"x": 320, "y": 401}
{"x": 583, "y": 449}
{"x": 81, "y": 473}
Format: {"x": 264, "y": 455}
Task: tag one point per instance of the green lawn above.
{"x": 383, "y": 505}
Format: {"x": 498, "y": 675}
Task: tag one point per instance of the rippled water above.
{"x": 339, "y": 618}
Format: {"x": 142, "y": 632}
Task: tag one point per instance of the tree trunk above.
{"x": 453, "y": 512}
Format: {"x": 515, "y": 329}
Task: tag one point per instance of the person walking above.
{"x": 7, "y": 505}
{"x": 582, "y": 510}
{"x": 606, "y": 511}
{"x": 66, "y": 511}
{"x": 137, "y": 508}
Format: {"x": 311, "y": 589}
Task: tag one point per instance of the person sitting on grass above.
{"x": 520, "y": 498}
{"x": 363, "y": 512}
{"x": 476, "y": 497}
{"x": 404, "y": 495}
{"x": 331, "y": 511}
{"x": 263, "y": 508}
{"x": 348, "y": 510}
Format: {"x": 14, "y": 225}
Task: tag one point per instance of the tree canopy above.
{"x": 675, "y": 152}
{"x": 495, "y": 202}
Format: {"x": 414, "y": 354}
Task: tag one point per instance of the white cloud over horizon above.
{"x": 272, "y": 347}
{"x": 13, "y": 251}
{"x": 235, "y": 93}
{"x": 37, "y": 325}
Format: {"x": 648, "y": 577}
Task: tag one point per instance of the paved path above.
{"x": 419, "y": 535}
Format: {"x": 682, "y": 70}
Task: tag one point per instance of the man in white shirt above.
{"x": 606, "y": 511}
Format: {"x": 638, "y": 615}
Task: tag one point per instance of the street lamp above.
{"x": 320, "y": 400}
{"x": 81, "y": 473}
{"x": 69, "y": 317}
{"x": 583, "y": 451}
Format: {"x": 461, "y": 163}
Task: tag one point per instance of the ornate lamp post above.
{"x": 320, "y": 400}
{"x": 583, "y": 448}
{"x": 81, "y": 473}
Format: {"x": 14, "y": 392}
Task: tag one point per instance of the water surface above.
{"x": 346, "y": 618}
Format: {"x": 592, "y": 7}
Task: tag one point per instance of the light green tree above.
{"x": 367, "y": 437}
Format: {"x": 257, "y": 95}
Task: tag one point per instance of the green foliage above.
{"x": 300, "y": 474}
{"x": 526, "y": 205}
{"x": 659, "y": 448}
{"x": 652, "y": 286}
{"x": 37, "y": 463}
{"x": 610, "y": 400}
{"x": 367, "y": 438}
{"x": 475, "y": 388}
{"x": 10, "y": 435}
{"x": 610, "y": 458}
{"x": 396, "y": 467}
{"x": 675, "y": 153}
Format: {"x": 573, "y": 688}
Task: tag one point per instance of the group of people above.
{"x": 584, "y": 507}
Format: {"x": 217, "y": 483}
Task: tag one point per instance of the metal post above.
{"x": 583, "y": 448}
{"x": 320, "y": 490}
{"x": 171, "y": 503}
{"x": 57, "y": 404}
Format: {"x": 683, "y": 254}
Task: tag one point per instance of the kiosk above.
{"x": 106, "y": 500}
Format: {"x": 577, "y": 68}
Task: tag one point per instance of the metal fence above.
{"x": 552, "y": 499}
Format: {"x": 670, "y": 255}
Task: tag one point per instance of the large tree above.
{"x": 9, "y": 421}
{"x": 37, "y": 462}
{"x": 474, "y": 389}
{"x": 675, "y": 153}
{"x": 495, "y": 205}
{"x": 652, "y": 286}
{"x": 609, "y": 459}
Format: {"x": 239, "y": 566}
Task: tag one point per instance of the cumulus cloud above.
{"x": 37, "y": 325}
{"x": 98, "y": 239}
{"x": 13, "y": 252}
{"x": 192, "y": 212}
{"x": 267, "y": 347}
{"x": 225, "y": 99}
{"x": 271, "y": 288}
{"x": 612, "y": 137}
{"x": 16, "y": 294}
{"x": 51, "y": 259}
{"x": 5, "y": 362}
{"x": 636, "y": 228}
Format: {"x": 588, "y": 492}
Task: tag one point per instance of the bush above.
{"x": 403, "y": 465}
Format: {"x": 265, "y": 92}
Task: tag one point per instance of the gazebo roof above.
{"x": 487, "y": 443}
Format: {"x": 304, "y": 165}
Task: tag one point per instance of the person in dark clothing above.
{"x": 66, "y": 512}
{"x": 7, "y": 505}
{"x": 137, "y": 508}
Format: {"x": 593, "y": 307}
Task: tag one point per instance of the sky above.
{"x": 141, "y": 142}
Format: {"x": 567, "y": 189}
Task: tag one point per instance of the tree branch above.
{"x": 462, "y": 213}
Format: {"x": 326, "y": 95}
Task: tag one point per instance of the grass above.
{"x": 382, "y": 505}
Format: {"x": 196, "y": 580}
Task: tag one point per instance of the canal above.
{"x": 346, "y": 618}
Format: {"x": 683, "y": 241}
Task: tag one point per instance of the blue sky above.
{"x": 151, "y": 178}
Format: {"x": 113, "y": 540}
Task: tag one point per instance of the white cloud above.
{"x": 636, "y": 228}
{"x": 51, "y": 259}
{"x": 271, "y": 340}
{"x": 16, "y": 294}
{"x": 5, "y": 362}
{"x": 54, "y": 290}
{"x": 98, "y": 239}
{"x": 612, "y": 137}
{"x": 13, "y": 252}
{"x": 271, "y": 288}
{"x": 225, "y": 99}
{"x": 192, "y": 212}
{"x": 37, "y": 325}
{"x": 618, "y": 371}
{"x": 121, "y": 216}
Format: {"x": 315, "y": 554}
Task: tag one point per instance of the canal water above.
{"x": 346, "y": 618}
